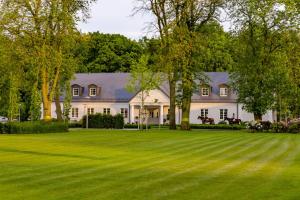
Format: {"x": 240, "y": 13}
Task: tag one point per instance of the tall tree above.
{"x": 44, "y": 27}
{"x": 260, "y": 26}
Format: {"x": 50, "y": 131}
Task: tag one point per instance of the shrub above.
{"x": 75, "y": 125}
{"x": 217, "y": 126}
{"x": 104, "y": 121}
{"x": 135, "y": 126}
{"x": 34, "y": 127}
{"x": 222, "y": 122}
{"x": 279, "y": 127}
{"x": 294, "y": 128}
{"x": 1, "y": 128}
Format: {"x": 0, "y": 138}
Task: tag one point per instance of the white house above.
{"x": 106, "y": 93}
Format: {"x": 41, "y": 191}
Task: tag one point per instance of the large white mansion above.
{"x": 106, "y": 93}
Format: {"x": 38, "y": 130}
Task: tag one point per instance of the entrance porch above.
{"x": 153, "y": 114}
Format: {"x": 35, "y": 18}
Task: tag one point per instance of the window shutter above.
{"x": 98, "y": 91}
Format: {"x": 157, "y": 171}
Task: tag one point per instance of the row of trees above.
{"x": 41, "y": 50}
{"x": 263, "y": 54}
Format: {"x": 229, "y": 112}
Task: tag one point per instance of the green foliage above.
{"x": 33, "y": 127}
{"x": 136, "y": 126}
{"x": 100, "y": 120}
{"x": 35, "y": 106}
{"x": 217, "y": 126}
{"x": 100, "y": 52}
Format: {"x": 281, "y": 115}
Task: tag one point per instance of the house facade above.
{"x": 106, "y": 93}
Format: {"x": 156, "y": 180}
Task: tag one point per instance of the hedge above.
{"x": 104, "y": 121}
{"x": 33, "y": 127}
{"x": 217, "y": 126}
{"x": 135, "y": 126}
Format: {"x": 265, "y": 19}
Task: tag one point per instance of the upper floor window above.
{"x": 124, "y": 112}
{"x": 223, "y": 92}
{"x": 75, "y": 92}
{"x": 106, "y": 111}
{"x": 204, "y": 112}
{"x": 93, "y": 92}
{"x": 205, "y": 91}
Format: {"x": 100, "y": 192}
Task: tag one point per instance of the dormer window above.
{"x": 205, "y": 91}
{"x": 75, "y": 92}
{"x": 93, "y": 92}
{"x": 223, "y": 91}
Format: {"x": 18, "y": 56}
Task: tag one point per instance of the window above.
{"x": 204, "y": 112}
{"x": 224, "y": 92}
{"x": 106, "y": 111}
{"x": 93, "y": 92}
{"x": 91, "y": 111}
{"x": 205, "y": 92}
{"x": 223, "y": 113}
{"x": 74, "y": 112}
{"x": 124, "y": 112}
{"x": 75, "y": 92}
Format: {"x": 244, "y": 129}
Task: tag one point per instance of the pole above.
{"x": 87, "y": 118}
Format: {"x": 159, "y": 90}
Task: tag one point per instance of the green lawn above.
{"x": 150, "y": 165}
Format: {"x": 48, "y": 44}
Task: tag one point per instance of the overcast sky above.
{"x": 114, "y": 16}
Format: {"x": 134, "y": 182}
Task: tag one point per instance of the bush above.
{"x": 1, "y": 128}
{"x": 294, "y": 128}
{"x": 104, "y": 121}
{"x": 135, "y": 126}
{"x": 279, "y": 127}
{"x": 217, "y": 126}
{"x": 75, "y": 125}
{"x": 34, "y": 127}
{"x": 222, "y": 122}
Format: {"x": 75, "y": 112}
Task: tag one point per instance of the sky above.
{"x": 115, "y": 16}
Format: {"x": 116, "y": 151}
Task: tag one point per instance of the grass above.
{"x": 153, "y": 165}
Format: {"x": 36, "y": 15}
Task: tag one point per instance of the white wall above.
{"x": 115, "y": 108}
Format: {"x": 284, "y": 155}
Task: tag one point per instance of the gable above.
{"x": 155, "y": 96}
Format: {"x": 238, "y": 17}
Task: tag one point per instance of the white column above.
{"x": 161, "y": 114}
{"x": 131, "y": 113}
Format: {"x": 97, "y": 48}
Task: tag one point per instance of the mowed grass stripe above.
{"x": 216, "y": 171}
{"x": 118, "y": 159}
{"x": 163, "y": 177}
{"x": 84, "y": 171}
{"x": 188, "y": 161}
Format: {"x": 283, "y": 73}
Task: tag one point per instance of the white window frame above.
{"x": 74, "y": 93}
{"x": 75, "y": 112}
{"x": 124, "y": 112}
{"x": 206, "y": 93}
{"x": 223, "y": 91}
{"x": 204, "y": 112}
{"x": 223, "y": 113}
{"x": 91, "y": 111}
{"x": 93, "y": 92}
{"x": 106, "y": 111}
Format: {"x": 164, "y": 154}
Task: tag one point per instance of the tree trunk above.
{"x": 58, "y": 107}
{"x": 46, "y": 97}
{"x": 172, "y": 113}
{"x": 187, "y": 91}
{"x": 186, "y": 107}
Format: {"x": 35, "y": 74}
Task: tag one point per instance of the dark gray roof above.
{"x": 113, "y": 87}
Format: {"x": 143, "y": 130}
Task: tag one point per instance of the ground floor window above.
{"x": 75, "y": 112}
{"x": 124, "y": 112}
{"x": 204, "y": 112}
{"x": 223, "y": 113}
{"x": 106, "y": 111}
{"x": 91, "y": 111}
